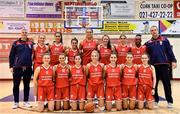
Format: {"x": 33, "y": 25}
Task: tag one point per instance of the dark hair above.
{"x": 138, "y": 35}
{"x": 109, "y": 42}
{"x": 74, "y": 39}
{"x": 122, "y": 35}
{"x": 59, "y": 33}
{"x": 89, "y": 29}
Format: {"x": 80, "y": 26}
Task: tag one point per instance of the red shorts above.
{"x": 62, "y": 94}
{"x": 36, "y": 65}
{"x": 45, "y": 93}
{"x": 77, "y": 92}
{"x": 95, "y": 89}
{"x": 129, "y": 91}
{"x": 113, "y": 93}
{"x": 144, "y": 92}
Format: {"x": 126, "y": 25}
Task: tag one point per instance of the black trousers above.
{"x": 18, "y": 73}
{"x": 162, "y": 73}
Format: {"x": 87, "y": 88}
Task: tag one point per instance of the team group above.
{"x": 94, "y": 70}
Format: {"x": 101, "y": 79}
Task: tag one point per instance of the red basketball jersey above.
{"x": 88, "y": 47}
{"x": 112, "y": 76}
{"x": 105, "y": 54}
{"x": 62, "y": 76}
{"x": 38, "y": 54}
{"x": 71, "y": 54}
{"x": 137, "y": 53}
{"x": 145, "y": 75}
{"x": 122, "y": 51}
{"x": 129, "y": 75}
{"x": 55, "y": 51}
{"x": 77, "y": 76}
{"x": 95, "y": 73}
{"x": 45, "y": 76}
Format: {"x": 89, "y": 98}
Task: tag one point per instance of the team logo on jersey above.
{"x": 30, "y": 46}
{"x": 105, "y": 50}
{"x": 144, "y": 70}
{"x": 41, "y": 50}
{"x": 89, "y": 44}
{"x": 113, "y": 70}
{"x": 78, "y": 71}
{"x": 46, "y": 72}
{"x": 129, "y": 70}
{"x": 95, "y": 69}
{"x": 123, "y": 49}
{"x": 160, "y": 42}
{"x": 63, "y": 70}
{"x": 138, "y": 52}
{"x": 56, "y": 49}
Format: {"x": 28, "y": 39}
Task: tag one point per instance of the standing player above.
{"x": 146, "y": 83}
{"x": 87, "y": 46}
{"x": 39, "y": 49}
{"x": 129, "y": 82}
{"x": 56, "y": 49}
{"x": 138, "y": 50}
{"x": 94, "y": 73}
{"x": 78, "y": 84}
{"x": 122, "y": 49}
{"x": 73, "y": 51}
{"x": 113, "y": 83}
{"x": 43, "y": 84}
{"x": 105, "y": 49}
{"x": 62, "y": 83}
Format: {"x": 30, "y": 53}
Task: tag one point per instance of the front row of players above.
{"x": 124, "y": 83}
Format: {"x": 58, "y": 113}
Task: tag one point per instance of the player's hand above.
{"x": 174, "y": 65}
{"x": 152, "y": 92}
{"x": 11, "y": 70}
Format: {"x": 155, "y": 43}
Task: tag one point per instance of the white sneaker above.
{"x": 27, "y": 105}
{"x": 15, "y": 106}
{"x": 156, "y": 105}
{"x": 170, "y": 105}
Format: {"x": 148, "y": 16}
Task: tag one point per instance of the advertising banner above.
{"x": 176, "y": 9}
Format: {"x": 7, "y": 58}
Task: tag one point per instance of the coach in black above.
{"x": 20, "y": 63}
{"x": 161, "y": 55}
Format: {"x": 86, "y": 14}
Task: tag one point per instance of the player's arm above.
{"x": 35, "y": 81}
{"x": 104, "y": 72}
{"x": 154, "y": 76}
{"x": 54, "y": 73}
{"x": 87, "y": 70}
{"x": 80, "y": 47}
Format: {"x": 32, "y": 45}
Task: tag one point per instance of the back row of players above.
{"x": 125, "y": 82}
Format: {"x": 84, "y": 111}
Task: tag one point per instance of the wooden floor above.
{"x": 6, "y": 90}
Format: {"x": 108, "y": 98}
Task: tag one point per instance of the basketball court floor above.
{"x": 6, "y": 101}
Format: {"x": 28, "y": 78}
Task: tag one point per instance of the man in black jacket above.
{"x": 161, "y": 55}
{"x": 20, "y": 64}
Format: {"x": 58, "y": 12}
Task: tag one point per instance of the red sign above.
{"x": 177, "y": 9}
{"x": 5, "y": 47}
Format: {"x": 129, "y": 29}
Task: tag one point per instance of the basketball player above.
{"x": 122, "y": 49}
{"x": 94, "y": 73}
{"x": 39, "y": 49}
{"x": 113, "y": 83}
{"x": 73, "y": 51}
{"x": 105, "y": 49}
{"x": 138, "y": 50}
{"x": 43, "y": 84}
{"x": 87, "y": 46}
{"x": 78, "y": 84}
{"x": 56, "y": 48}
{"x": 146, "y": 83}
{"x": 129, "y": 82}
{"x": 62, "y": 83}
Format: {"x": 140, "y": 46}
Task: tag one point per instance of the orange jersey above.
{"x": 71, "y": 54}
{"x": 62, "y": 76}
{"x": 105, "y": 54}
{"x": 129, "y": 75}
{"x": 45, "y": 76}
{"x": 122, "y": 51}
{"x": 88, "y": 47}
{"x": 77, "y": 76}
{"x": 112, "y": 76}
{"x": 38, "y": 54}
{"x": 95, "y": 73}
{"x": 145, "y": 75}
{"x": 137, "y": 53}
{"x": 55, "y": 51}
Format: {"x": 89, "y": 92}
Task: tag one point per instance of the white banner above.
{"x": 155, "y": 9}
{"x": 114, "y": 9}
{"x": 44, "y": 9}
{"x": 11, "y": 8}
{"x": 13, "y": 26}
